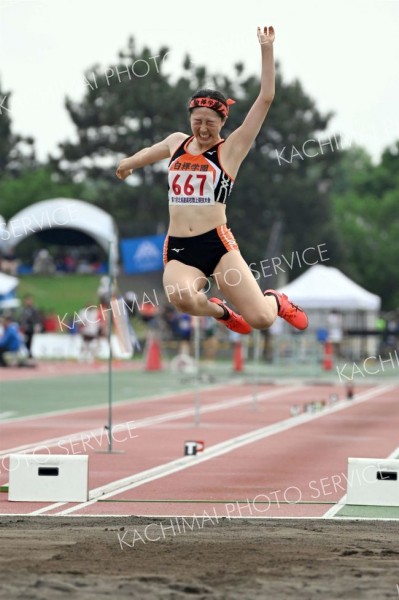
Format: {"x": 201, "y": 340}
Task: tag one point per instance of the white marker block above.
{"x": 48, "y": 478}
{"x": 373, "y": 482}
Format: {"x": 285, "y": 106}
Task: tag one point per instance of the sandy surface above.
{"x": 51, "y": 558}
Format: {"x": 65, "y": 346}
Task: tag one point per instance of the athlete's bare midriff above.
{"x": 187, "y": 221}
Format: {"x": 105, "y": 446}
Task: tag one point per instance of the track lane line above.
{"x": 155, "y": 420}
{"x": 251, "y": 518}
{"x": 330, "y": 514}
{"x": 171, "y": 467}
{"x": 153, "y": 398}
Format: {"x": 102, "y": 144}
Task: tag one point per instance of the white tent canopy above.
{"x": 7, "y": 284}
{"x": 63, "y": 213}
{"x": 326, "y": 288}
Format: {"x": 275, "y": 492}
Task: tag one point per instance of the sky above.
{"x": 344, "y": 52}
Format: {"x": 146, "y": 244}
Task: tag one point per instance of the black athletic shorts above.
{"x": 201, "y": 251}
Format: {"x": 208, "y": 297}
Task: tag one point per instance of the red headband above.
{"x": 216, "y": 105}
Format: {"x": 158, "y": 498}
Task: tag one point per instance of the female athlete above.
{"x": 202, "y": 170}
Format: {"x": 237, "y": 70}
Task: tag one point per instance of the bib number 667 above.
{"x": 189, "y": 184}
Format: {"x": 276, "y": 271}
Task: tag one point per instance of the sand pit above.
{"x": 46, "y": 558}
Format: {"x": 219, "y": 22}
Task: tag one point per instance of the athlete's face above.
{"x": 206, "y": 125}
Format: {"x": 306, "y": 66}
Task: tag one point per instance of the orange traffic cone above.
{"x": 328, "y": 356}
{"x": 153, "y": 360}
{"x": 238, "y": 361}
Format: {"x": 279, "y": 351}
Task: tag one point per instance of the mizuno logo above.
{"x": 177, "y": 250}
{"x": 213, "y": 152}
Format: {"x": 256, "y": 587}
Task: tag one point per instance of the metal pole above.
{"x": 197, "y": 350}
{"x": 255, "y": 405}
{"x": 110, "y": 273}
{"x": 112, "y": 281}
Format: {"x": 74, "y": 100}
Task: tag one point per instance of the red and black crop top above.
{"x": 198, "y": 179}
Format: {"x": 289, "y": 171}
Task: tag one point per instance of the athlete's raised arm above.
{"x": 150, "y": 155}
{"x": 240, "y": 141}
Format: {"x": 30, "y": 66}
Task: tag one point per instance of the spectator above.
{"x": 31, "y": 322}
{"x": 210, "y": 339}
{"x": 10, "y": 341}
{"x": 8, "y": 263}
{"x": 90, "y": 330}
{"x": 71, "y": 263}
{"x": 131, "y": 302}
{"x": 105, "y": 290}
{"x": 184, "y": 331}
{"x": 43, "y": 263}
{"x": 181, "y": 327}
{"x": 50, "y": 322}
{"x": 149, "y": 314}
{"x": 335, "y": 331}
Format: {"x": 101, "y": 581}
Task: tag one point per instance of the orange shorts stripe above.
{"x": 227, "y": 238}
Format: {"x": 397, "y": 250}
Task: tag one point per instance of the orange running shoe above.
{"x": 293, "y": 314}
{"x": 233, "y": 321}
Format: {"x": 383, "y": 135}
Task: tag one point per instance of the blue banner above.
{"x": 142, "y": 254}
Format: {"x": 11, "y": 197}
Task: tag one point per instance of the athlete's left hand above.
{"x": 266, "y": 36}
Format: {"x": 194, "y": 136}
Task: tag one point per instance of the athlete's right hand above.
{"x": 122, "y": 172}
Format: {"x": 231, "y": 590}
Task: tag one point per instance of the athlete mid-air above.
{"x": 202, "y": 170}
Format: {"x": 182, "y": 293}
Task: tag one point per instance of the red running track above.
{"x": 305, "y": 462}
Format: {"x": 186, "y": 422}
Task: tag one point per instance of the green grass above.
{"x": 60, "y": 293}
{"x": 37, "y": 396}
{"x": 370, "y": 512}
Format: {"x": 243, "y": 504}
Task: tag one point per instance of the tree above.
{"x": 366, "y": 201}
{"x": 16, "y": 152}
{"x": 280, "y": 181}
{"x": 123, "y": 111}
{"x": 32, "y": 186}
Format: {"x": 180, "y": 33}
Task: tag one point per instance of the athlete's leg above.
{"x": 236, "y": 282}
{"x": 259, "y": 309}
{"x": 183, "y": 285}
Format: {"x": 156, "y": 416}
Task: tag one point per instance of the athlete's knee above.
{"x": 180, "y": 297}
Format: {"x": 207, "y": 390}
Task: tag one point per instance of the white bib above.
{"x": 188, "y": 188}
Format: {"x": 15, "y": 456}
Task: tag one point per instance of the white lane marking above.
{"x": 133, "y": 481}
{"x": 149, "y": 421}
{"x": 342, "y": 501}
{"x": 6, "y": 416}
{"x": 119, "y": 516}
{"x": 334, "y": 509}
{"x": 98, "y": 492}
{"x": 154, "y": 398}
